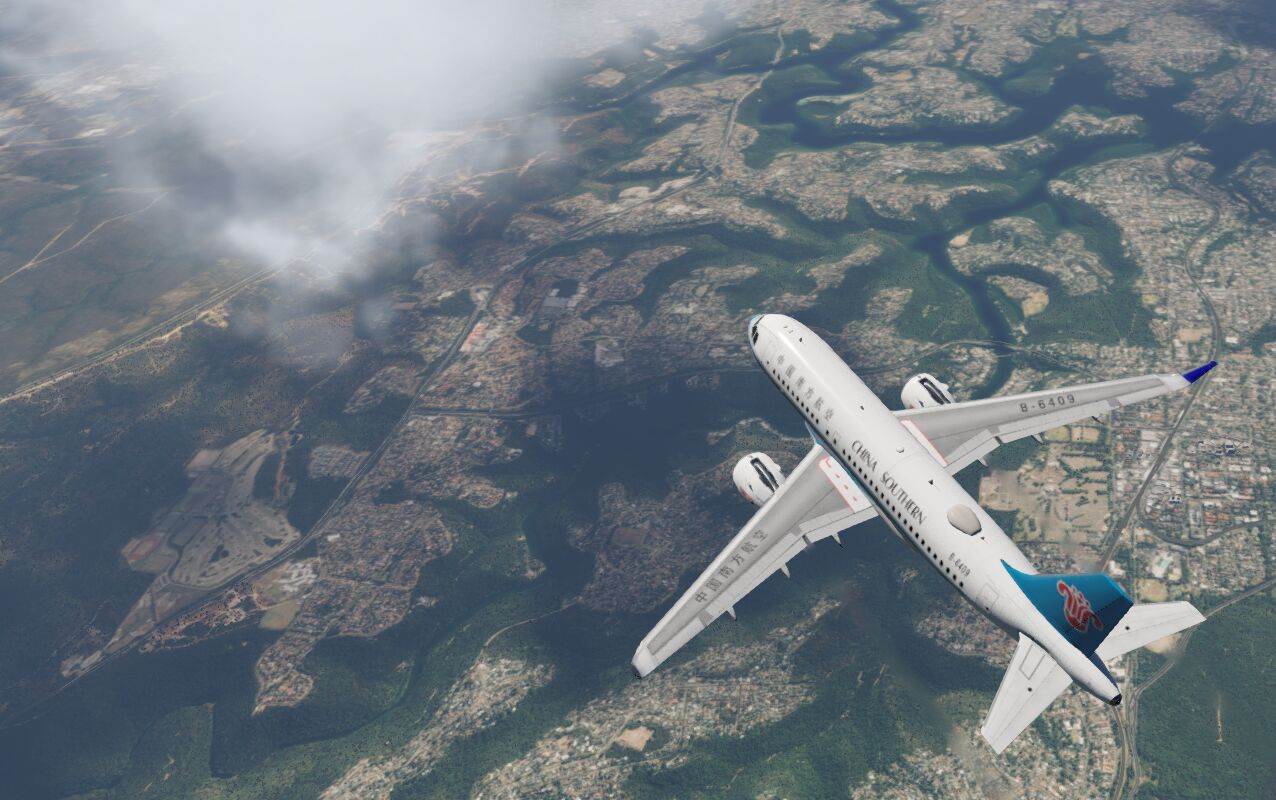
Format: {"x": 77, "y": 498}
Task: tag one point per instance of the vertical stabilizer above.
{"x": 1084, "y": 608}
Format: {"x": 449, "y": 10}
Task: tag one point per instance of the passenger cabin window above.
{"x": 964, "y": 520}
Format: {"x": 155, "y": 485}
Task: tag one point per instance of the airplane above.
{"x": 869, "y": 462}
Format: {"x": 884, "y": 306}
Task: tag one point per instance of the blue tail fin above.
{"x": 1084, "y": 608}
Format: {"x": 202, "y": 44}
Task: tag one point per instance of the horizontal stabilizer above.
{"x": 1032, "y": 682}
{"x": 1147, "y": 622}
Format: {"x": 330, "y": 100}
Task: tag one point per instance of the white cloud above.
{"x": 297, "y": 119}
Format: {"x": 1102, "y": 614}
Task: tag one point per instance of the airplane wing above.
{"x": 1032, "y": 682}
{"x": 958, "y": 433}
{"x": 819, "y": 499}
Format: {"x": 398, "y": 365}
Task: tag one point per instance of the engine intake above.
{"x": 757, "y": 476}
{"x": 924, "y": 390}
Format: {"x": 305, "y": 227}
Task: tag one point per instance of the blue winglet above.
{"x": 1195, "y": 375}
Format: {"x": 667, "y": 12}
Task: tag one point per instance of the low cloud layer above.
{"x": 287, "y": 126}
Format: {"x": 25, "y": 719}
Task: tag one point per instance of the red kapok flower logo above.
{"x": 1076, "y": 608}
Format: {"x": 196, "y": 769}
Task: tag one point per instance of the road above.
{"x": 1112, "y": 539}
{"x": 735, "y": 107}
{"x": 1129, "y": 772}
{"x": 1130, "y": 714}
{"x": 159, "y": 330}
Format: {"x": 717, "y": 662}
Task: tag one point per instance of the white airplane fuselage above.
{"x": 902, "y": 475}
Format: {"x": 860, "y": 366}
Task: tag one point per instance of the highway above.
{"x": 1129, "y": 773}
{"x": 159, "y": 330}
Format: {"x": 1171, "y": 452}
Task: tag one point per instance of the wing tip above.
{"x": 1195, "y": 375}
{"x": 1192, "y": 613}
{"x": 995, "y": 741}
{"x": 643, "y": 663}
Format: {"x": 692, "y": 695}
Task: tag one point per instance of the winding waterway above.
{"x": 1069, "y": 75}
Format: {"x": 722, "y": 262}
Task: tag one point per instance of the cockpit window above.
{"x": 755, "y": 333}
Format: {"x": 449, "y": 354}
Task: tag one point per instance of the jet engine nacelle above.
{"x": 757, "y": 476}
{"x": 924, "y": 390}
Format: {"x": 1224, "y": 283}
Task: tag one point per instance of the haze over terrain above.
{"x": 297, "y": 121}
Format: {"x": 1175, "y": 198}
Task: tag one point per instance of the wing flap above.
{"x": 1031, "y": 683}
{"x": 813, "y": 503}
